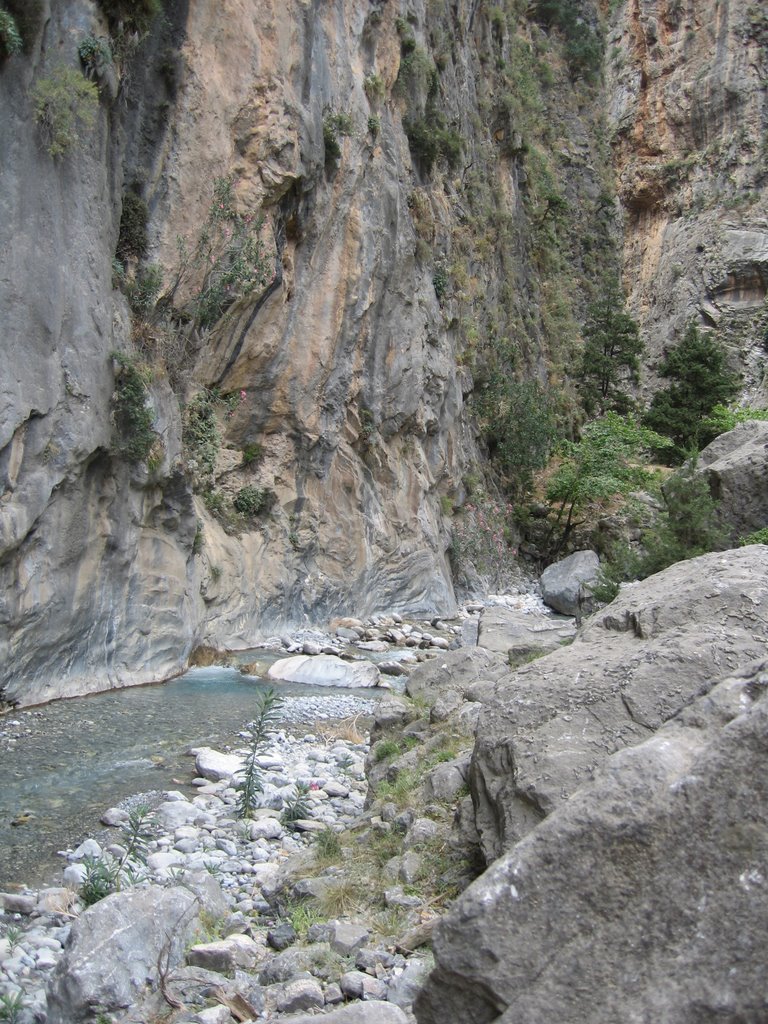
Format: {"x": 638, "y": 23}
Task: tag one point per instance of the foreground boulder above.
{"x": 565, "y": 584}
{"x": 736, "y": 467}
{"x": 546, "y": 728}
{"x": 112, "y": 957}
{"x": 325, "y": 670}
{"x": 643, "y": 898}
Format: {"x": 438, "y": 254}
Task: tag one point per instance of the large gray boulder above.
{"x": 373, "y": 1012}
{"x": 454, "y": 672}
{"x": 736, "y": 466}
{"x": 544, "y": 729}
{"x": 325, "y": 670}
{"x": 643, "y": 898}
{"x": 565, "y": 584}
{"x": 517, "y": 633}
{"x": 112, "y": 956}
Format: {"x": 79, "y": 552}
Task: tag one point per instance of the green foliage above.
{"x": 385, "y": 749}
{"x": 103, "y": 877}
{"x": 602, "y": 467}
{"x": 611, "y": 358}
{"x": 253, "y": 453}
{"x": 251, "y": 501}
{"x": 28, "y": 16}
{"x": 374, "y": 126}
{"x": 327, "y": 846}
{"x": 230, "y": 252}
{"x": 131, "y": 417}
{"x": 11, "y": 1007}
{"x": 700, "y": 380}
{"x": 132, "y": 241}
{"x": 517, "y": 424}
{"x": 298, "y": 806}
{"x": 429, "y": 138}
{"x": 65, "y": 106}
{"x": 10, "y": 37}
{"x": 95, "y": 54}
{"x": 440, "y": 280}
{"x": 200, "y": 434}
{"x": 131, "y": 15}
{"x": 758, "y": 537}
{"x": 583, "y": 42}
{"x": 335, "y": 125}
{"x": 724, "y": 418}
{"x": 687, "y": 527}
{"x": 144, "y": 289}
{"x": 249, "y": 784}
{"x": 374, "y": 87}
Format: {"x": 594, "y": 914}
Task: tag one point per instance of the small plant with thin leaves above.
{"x": 103, "y": 877}
{"x": 10, "y": 37}
{"x": 13, "y": 937}
{"x": 65, "y": 106}
{"x": 11, "y": 1007}
{"x": 250, "y": 783}
{"x": 298, "y": 806}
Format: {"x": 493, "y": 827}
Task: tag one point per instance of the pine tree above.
{"x": 700, "y": 380}
{"x": 610, "y": 362}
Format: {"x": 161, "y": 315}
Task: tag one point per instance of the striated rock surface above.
{"x": 643, "y": 897}
{"x": 687, "y": 114}
{"x": 544, "y": 730}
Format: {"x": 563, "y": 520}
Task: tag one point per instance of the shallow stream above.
{"x": 65, "y": 763}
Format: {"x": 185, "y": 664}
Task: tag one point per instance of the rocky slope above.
{"x": 429, "y": 190}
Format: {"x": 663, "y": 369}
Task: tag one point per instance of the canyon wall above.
{"x": 430, "y": 185}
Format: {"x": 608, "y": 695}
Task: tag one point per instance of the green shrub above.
{"x": 132, "y": 240}
{"x": 131, "y": 417}
{"x": 28, "y": 16}
{"x": 10, "y": 37}
{"x": 758, "y": 537}
{"x": 249, "y": 785}
{"x": 144, "y": 289}
{"x": 200, "y": 434}
{"x": 131, "y": 15}
{"x": 335, "y": 125}
{"x": 374, "y": 126}
{"x": 65, "y": 106}
{"x": 700, "y": 380}
{"x": 610, "y": 361}
{"x": 95, "y": 55}
{"x": 374, "y": 87}
{"x": 298, "y": 806}
{"x": 253, "y": 453}
{"x": 251, "y": 501}
{"x": 429, "y": 138}
{"x": 724, "y": 418}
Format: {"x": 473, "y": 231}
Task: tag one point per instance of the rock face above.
{"x": 736, "y": 466}
{"x": 687, "y": 108}
{"x": 114, "y": 949}
{"x": 643, "y": 897}
{"x": 564, "y": 585}
{"x": 341, "y": 383}
{"x": 545, "y": 729}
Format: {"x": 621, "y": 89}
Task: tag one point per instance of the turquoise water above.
{"x": 86, "y": 754}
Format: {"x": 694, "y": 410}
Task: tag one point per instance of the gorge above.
{"x": 297, "y": 300}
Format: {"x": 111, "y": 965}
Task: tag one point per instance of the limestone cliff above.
{"x": 688, "y": 118}
{"x": 428, "y": 188}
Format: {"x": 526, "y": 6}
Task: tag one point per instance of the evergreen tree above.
{"x": 611, "y": 358}
{"x": 700, "y": 380}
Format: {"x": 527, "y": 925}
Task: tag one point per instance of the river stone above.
{"x": 404, "y": 987}
{"x": 346, "y": 937}
{"x": 300, "y": 994}
{"x": 115, "y": 946}
{"x": 325, "y": 670}
{"x": 17, "y": 903}
{"x": 359, "y": 985}
{"x": 642, "y": 898}
{"x": 736, "y": 467}
{"x": 215, "y": 766}
{"x": 545, "y": 728}
{"x": 226, "y": 955}
{"x": 565, "y": 585}
{"x": 359, "y": 1013}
